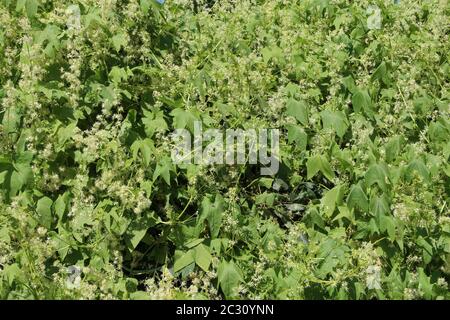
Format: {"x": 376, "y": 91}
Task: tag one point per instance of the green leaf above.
{"x": 20, "y": 5}
{"x": 313, "y": 166}
{"x": 273, "y": 52}
{"x": 5, "y": 235}
{"x": 298, "y": 135}
{"x": 389, "y": 224}
{"x": 14, "y": 273}
{"x": 16, "y": 183}
{"x": 427, "y": 249}
{"x": 140, "y": 295}
{"x": 326, "y": 169}
{"x": 119, "y": 41}
{"x": 380, "y": 72}
{"x": 379, "y": 206}
{"x": 420, "y": 167}
{"x": 229, "y": 277}
{"x": 203, "y": 257}
{"x": 335, "y": 120}
{"x": 361, "y": 101}
{"x": 49, "y": 38}
{"x": 349, "y": 83}
{"x": 137, "y": 229}
{"x": 393, "y": 148}
{"x": 60, "y": 206}
{"x": 184, "y": 259}
{"x": 213, "y": 213}
{"x": 376, "y": 174}
{"x": 62, "y": 241}
{"x": 193, "y": 243}
{"x": 163, "y": 169}
{"x": 266, "y": 198}
{"x": 154, "y": 122}
{"x": 146, "y": 148}
{"x": 118, "y": 75}
{"x": 32, "y": 8}
{"x": 344, "y": 212}
{"x": 145, "y": 5}
{"x": 3, "y": 176}
{"x": 183, "y": 119}
{"x": 357, "y": 198}
{"x": 298, "y": 110}
{"x": 11, "y": 120}
{"x": 44, "y": 209}
{"x": 319, "y": 163}
{"x": 265, "y": 182}
{"x": 136, "y": 235}
{"x": 65, "y": 133}
{"x": 425, "y": 284}
{"x": 331, "y": 199}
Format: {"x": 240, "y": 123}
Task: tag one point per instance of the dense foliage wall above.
{"x": 91, "y": 205}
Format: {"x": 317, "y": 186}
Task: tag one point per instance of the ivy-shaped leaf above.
{"x": 298, "y": 135}
{"x": 163, "y": 169}
{"x": 376, "y": 174}
{"x": 357, "y": 198}
{"x": 335, "y": 120}
{"x": 298, "y": 110}
{"x": 183, "y": 119}
{"x": 319, "y": 163}
{"x": 146, "y": 148}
